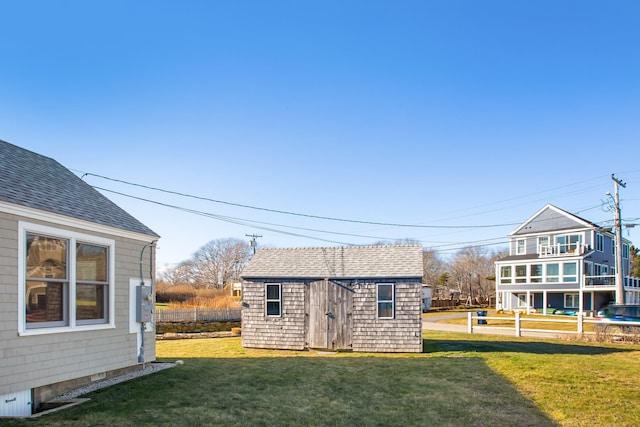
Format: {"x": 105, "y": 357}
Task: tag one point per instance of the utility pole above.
{"x": 254, "y": 243}
{"x": 618, "y": 227}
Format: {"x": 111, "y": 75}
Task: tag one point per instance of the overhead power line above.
{"x": 283, "y": 212}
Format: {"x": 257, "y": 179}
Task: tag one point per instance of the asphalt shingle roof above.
{"x": 39, "y": 182}
{"x": 349, "y": 262}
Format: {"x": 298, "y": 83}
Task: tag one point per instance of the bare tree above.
{"x": 433, "y": 269}
{"x": 471, "y": 270}
{"x": 214, "y": 265}
{"x": 181, "y": 274}
{"x": 220, "y": 262}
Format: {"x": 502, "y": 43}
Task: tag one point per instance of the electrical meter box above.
{"x": 144, "y": 308}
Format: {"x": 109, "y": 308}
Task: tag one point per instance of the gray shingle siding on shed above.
{"x": 35, "y": 181}
{"x": 302, "y": 271}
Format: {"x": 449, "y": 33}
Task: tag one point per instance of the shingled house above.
{"x": 360, "y": 298}
{"x": 70, "y": 262}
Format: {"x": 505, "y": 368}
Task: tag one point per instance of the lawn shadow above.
{"x": 315, "y": 391}
{"x": 431, "y": 345}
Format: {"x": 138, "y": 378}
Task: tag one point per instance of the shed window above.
{"x": 386, "y": 300}
{"x": 66, "y": 279}
{"x": 274, "y": 299}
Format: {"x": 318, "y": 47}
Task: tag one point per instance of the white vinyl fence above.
{"x": 198, "y": 314}
{"x": 624, "y": 328}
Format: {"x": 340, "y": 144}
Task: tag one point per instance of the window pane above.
{"x": 536, "y": 269}
{"x": 505, "y": 274}
{"x": 44, "y": 302}
{"x": 91, "y": 262}
{"x": 273, "y": 292}
{"x": 90, "y": 301}
{"x": 46, "y": 257}
{"x": 385, "y": 292}
{"x": 385, "y": 309}
{"x": 273, "y": 308}
{"x": 569, "y": 268}
{"x": 553, "y": 269}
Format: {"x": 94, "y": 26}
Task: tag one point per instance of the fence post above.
{"x": 580, "y": 323}
{"x": 518, "y": 323}
{"x": 470, "y": 323}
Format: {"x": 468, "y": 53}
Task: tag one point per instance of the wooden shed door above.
{"x": 330, "y": 324}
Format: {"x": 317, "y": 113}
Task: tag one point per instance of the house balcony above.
{"x": 609, "y": 282}
{"x": 600, "y": 282}
{"x": 559, "y": 250}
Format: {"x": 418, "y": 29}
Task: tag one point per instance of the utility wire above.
{"x": 297, "y": 213}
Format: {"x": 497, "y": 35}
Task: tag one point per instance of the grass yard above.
{"x": 460, "y": 379}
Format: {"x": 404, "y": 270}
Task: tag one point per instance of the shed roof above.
{"x": 347, "y": 262}
{"x": 39, "y": 182}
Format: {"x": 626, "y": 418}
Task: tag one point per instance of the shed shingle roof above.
{"x": 39, "y": 182}
{"x": 350, "y": 262}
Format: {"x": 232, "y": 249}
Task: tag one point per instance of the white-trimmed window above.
{"x": 535, "y": 271}
{"x": 571, "y": 300}
{"x": 522, "y": 300}
{"x": 599, "y": 242}
{"x": 553, "y": 272}
{"x": 66, "y": 280}
{"x": 273, "y": 294}
{"x": 570, "y": 272}
{"x": 385, "y": 297}
{"x": 568, "y": 243}
{"x": 625, "y": 251}
{"x": 521, "y": 273}
{"x": 505, "y": 274}
{"x": 521, "y": 247}
{"x": 543, "y": 242}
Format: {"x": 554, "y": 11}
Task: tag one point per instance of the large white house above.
{"x": 559, "y": 261}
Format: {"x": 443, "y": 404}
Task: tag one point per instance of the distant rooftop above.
{"x": 39, "y": 182}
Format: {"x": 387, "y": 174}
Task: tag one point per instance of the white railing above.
{"x": 198, "y": 314}
{"x": 591, "y": 281}
{"x": 579, "y": 320}
{"x": 566, "y": 249}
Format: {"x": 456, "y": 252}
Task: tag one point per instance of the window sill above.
{"x": 65, "y": 329}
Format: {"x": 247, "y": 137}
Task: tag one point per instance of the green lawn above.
{"x": 460, "y": 379}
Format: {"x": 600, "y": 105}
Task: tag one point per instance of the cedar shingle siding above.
{"x": 329, "y": 299}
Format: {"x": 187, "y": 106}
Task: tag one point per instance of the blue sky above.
{"x": 439, "y": 114}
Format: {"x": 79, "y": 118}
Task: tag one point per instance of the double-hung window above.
{"x": 505, "y": 274}
{"x": 66, "y": 280}
{"x": 535, "y": 271}
{"x": 521, "y": 247}
{"x": 571, "y": 300}
{"x": 273, "y": 293}
{"x": 599, "y": 242}
{"x": 385, "y": 297}
{"x": 569, "y": 272}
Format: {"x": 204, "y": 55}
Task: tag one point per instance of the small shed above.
{"x": 359, "y": 298}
